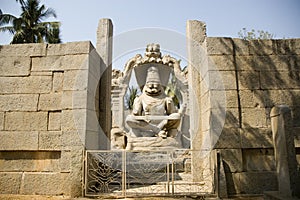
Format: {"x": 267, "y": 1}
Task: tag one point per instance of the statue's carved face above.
{"x": 153, "y": 89}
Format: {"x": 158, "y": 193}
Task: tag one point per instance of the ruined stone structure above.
{"x": 54, "y": 106}
{"x": 257, "y": 75}
{"x": 49, "y": 114}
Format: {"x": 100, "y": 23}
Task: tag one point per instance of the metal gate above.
{"x": 141, "y": 173}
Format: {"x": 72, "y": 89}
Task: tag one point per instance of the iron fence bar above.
{"x": 124, "y": 173}
{"x": 217, "y": 160}
{"x": 168, "y": 177}
{"x": 84, "y": 173}
{"x": 172, "y": 171}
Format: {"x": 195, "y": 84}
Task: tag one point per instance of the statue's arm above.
{"x": 137, "y": 106}
{"x": 170, "y": 107}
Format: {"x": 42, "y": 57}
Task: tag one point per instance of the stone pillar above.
{"x": 196, "y": 34}
{"x": 220, "y": 177}
{"x": 199, "y": 125}
{"x": 194, "y": 41}
{"x": 284, "y": 149}
{"x": 117, "y": 105}
{"x": 104, "y": 49}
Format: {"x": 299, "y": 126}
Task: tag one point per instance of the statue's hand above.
{"x": 162, "y": 124}
{"x": 175, "y": 115}
{"x": 162, "y": 134}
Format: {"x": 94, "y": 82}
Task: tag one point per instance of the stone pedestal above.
{"x": 152, "y": 143}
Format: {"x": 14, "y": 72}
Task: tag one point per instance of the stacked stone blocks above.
{"x": 46, "y": 94}
{"x": 257, "y": 75}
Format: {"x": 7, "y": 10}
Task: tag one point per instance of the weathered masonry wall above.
{"x": 256, "y": 75}
{"x": 49, "y": 101}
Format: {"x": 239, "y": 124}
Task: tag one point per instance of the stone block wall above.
{"x": 236, "y": 83}
{"x": 49, "y": 101}
{"x": 257, "y": 75}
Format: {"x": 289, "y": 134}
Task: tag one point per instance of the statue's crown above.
{"x": 153, "y": 50}
{"x": 153, "y": 75}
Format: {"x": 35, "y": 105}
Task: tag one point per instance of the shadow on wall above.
{"x": 248, "y": 158}
{"x": 267, "y": 73}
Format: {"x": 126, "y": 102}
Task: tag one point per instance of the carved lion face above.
{"x": 153, "y": 89}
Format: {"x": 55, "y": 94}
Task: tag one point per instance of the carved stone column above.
{"x": 284, "y": 148}
{"x": 104, "y": 49}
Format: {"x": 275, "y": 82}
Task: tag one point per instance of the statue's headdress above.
{"x": 153, "y": 75}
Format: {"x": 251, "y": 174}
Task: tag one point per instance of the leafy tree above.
{"x": 253, "y": 35}
{"x": 20, "y": 1}
{"x": 30, "y": 27}
{"x": 173, "y": 91}
{"x": 130, "y": 96}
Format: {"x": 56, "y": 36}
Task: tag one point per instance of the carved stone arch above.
{"x": 129, "y": 66}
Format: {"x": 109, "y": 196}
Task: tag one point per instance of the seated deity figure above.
{"x": 154, "y": 113}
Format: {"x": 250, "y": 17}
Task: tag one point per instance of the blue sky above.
{"x": 223, "y": 17}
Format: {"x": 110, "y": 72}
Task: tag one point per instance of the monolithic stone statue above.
{"x": 154, "y": 113}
